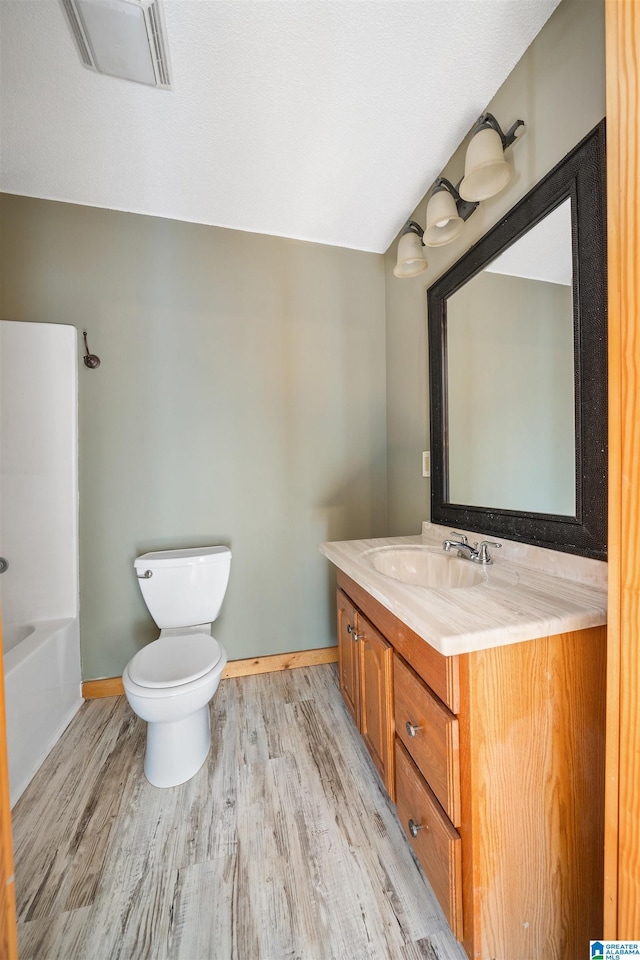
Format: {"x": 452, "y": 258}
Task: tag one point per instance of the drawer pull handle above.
{"x": 411, "y": 728}
{"x": 354, "y": 636}
{"x": 414, "y": 827}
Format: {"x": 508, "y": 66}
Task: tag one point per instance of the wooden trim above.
{"x": 8, "y": 927}
{"x": 622, "y": 820}
{"x": 612, "y": 732}
{"x": 280, "y": 661}
{"x": 112, "y": 686}
{"x": 108, "y": 687}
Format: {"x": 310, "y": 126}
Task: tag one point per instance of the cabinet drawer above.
{"x": 430, "y": 733}
{"x": 437, "y": 843}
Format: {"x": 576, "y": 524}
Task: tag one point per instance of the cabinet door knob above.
{"x": 414, "y": 827}
{"x": 411, "y": 728}
{"x": 354, "y": 636}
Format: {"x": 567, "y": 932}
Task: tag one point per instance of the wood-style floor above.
{"x": 284, "y": 845}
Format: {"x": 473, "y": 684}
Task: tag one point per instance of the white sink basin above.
{"x": 426, "y": 567}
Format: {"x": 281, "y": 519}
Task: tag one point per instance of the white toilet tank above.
{"x": 183, "y": 588}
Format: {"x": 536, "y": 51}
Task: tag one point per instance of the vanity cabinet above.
{"x": 498, "y": 776}
{"x": 366, "y": 665}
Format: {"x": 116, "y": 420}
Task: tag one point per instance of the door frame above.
{"x": 622, "y": 795}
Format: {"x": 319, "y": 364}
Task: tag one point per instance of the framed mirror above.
{"x": 518, "y": 368}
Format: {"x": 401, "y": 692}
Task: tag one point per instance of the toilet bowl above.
{"x": 170, "y": 682}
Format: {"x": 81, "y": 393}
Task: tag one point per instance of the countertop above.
{"x": 518, "y": 599}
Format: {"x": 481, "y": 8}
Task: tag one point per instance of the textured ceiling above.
{"x": 322, "y": 120}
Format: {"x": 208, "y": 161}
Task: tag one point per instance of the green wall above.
{"x": 558, "y": 89}
{"x": 240, "y": 400}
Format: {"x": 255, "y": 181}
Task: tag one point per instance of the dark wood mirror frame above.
{"x": 581, "y": 177}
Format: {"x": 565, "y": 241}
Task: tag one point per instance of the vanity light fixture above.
{"x": 446, "y": 212}
{"x": 411, "y": 259}
{"x": 486, "y": 173}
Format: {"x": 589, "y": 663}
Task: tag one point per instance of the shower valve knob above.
{"x": 4, "y": 564}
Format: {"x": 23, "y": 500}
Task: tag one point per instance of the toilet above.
{"x": 170, "y": 682}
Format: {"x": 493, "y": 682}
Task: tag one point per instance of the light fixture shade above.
{"x": 411, "y": 259}
{"x": 443, "y": 220}
{"x": 486, "y": 172}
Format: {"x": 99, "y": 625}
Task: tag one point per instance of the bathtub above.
{"x": 42, "y": 692}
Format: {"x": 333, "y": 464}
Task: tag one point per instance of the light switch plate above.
{"x": 426, "y": 463}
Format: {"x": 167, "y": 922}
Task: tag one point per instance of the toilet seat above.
{"x": 170, "y": 661}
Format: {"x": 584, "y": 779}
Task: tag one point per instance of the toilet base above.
{"x": 176, "y": 751}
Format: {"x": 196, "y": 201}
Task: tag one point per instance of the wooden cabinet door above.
{"x": 366, "y": 665}
{"x": 376, "y": 705}
{"x": 349, "y": 656}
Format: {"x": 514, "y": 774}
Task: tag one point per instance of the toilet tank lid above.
{"x": 181, "y": 558}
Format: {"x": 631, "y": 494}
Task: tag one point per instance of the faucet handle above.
{"x": 484, "y": 553}
{"x": 463, "y": 537}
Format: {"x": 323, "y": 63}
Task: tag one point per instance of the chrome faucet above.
{"x": 464, "y": 548}
{"x": 468, "y": 551}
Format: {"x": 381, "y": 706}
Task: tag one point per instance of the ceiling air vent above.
{"x": 122, "y": 38}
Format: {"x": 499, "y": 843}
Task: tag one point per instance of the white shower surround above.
{"x": 39, "y": 538}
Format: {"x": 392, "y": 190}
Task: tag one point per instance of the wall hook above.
{"x": 90, "y": 359}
